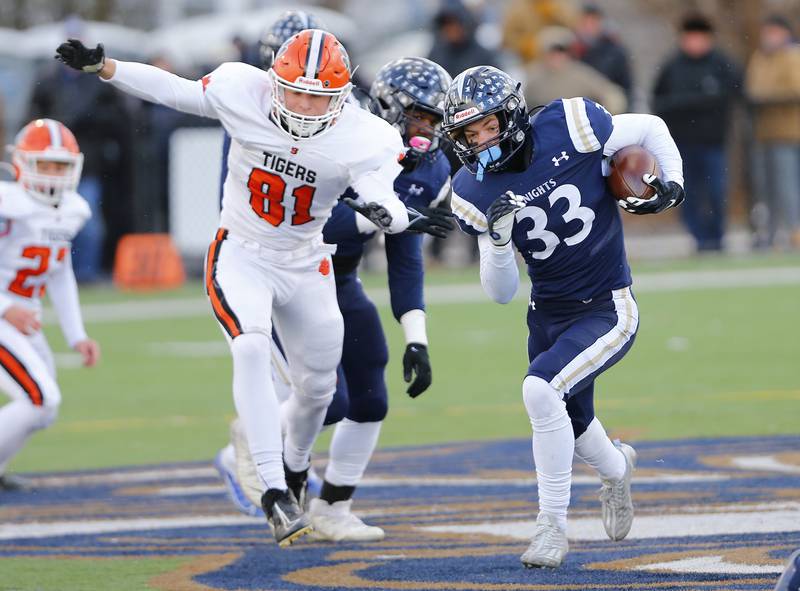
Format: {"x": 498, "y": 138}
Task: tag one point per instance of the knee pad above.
{"x": 371, "y": 409}
{"x": 251, "y": 348}
{"x": 40, "y": 417}
{"x": 337, "y": 410}
{"x": 48, "y": 416}
{"x": 542, "y": 401}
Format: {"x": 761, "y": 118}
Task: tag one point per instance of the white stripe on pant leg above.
{"x": 605, "y": 347}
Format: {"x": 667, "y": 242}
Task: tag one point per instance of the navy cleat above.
{"x": 287, "y": 519}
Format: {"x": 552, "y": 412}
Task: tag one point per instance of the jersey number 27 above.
{"x": 267, "y": 191}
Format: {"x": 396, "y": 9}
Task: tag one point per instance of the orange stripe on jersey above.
{"x": 220, "y": 306}
{"x": 21, "y": 375}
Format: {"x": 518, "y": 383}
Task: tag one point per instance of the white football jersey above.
{"x": 35, "y": 241}
{"x": 280, "y": 191}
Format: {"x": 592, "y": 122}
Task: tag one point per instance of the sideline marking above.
{"x": 449, "y": 294}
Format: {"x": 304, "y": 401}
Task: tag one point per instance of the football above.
{"x": 627, "y": 167}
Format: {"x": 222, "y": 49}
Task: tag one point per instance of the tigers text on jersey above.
{"x": 279, "y": 191}
{"x": 569, "y": 232}
{"x": 34, "y": 242}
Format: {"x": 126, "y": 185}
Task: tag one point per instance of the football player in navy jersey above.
{"x": 408, "y": 93}
{"x": 534, "y": 182}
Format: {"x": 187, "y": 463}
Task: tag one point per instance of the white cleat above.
{"x": 549, "y": 545}
{"x": 615, "y": 496}
{"x": 336, "y": 523}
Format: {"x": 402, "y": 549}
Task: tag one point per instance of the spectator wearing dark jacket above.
{"x": 694, "y": 94}
{"x": 455, "y": 47}
{"x": 598, "y": 48}
{"x": 97, "y": 115}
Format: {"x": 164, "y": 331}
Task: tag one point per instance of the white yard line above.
{"x": 665, "y": 525}
{"x": 453, "y": 294}
{"x": 14, "y": 531}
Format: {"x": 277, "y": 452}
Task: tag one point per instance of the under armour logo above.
{"x": 415, "y": 190}
{"x": 557, "y": 160}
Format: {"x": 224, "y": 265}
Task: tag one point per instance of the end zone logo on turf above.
{"x": 710, "y": 514}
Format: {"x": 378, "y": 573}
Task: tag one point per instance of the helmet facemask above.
{"x": 301, "y": 126}
{"x": 509, "y": 140}
{"x": 44, "y": 186}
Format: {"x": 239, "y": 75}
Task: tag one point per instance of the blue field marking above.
{"x": 711, "y": 514}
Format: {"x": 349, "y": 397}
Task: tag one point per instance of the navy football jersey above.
{"x": 569, "y": 232}
{"x": 424, "y": 186}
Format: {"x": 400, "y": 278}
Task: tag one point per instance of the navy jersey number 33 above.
{"x": 569, "y": 231}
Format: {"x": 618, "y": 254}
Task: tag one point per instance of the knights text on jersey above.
{"x": 279, "y": 191}
{"x": 569, "y": 232}
{"x": 35, "y": 240}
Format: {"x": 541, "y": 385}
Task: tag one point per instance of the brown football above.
{"x": 627, "y": 167}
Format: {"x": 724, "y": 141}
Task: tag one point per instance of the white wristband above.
{"x": 413, "y": 323}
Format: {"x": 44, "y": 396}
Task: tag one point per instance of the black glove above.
{"x": 76, "y": 55}
{"x": 416, "y": 360}
{"x": 669, "y": 194}
{"x": 375, "y": 213}
{"x": 436, "y": 221}
{"x": 500, "y": 216}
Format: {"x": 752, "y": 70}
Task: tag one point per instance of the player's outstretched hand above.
{"x": 76, "y": 55}
{"x": 375, "y": 213}
{"x": 89, "y": 350}
{"x": 669, "y": 194}
{"x": 24, "y": 320}
{"x": 416, "y": 361}
{"x": 500, "y": 216}
{"x": 436, "y": 221}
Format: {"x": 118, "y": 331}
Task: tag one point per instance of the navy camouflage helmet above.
{"x": 477, "y": 93}
{"x": 410, "y": 84}
{"x": 288, "y": 25}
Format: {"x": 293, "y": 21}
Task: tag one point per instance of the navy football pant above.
{"x": 571, "y": 343}
{"x": 361, "y": 394}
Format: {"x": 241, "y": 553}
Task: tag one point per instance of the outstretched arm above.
{"x": 141, "y": 80}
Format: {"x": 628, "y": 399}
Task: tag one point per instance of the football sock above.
{"x": 596, "y": 449}
{"x": 553, "y": 446}
{"x": 257, "y": 406}
{"x": 331, "y": 493}
{"x": 303, "y": 423}
{"x": 351, "y": 449}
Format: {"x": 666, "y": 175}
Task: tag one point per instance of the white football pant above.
{"x": 27, "y": 376}
{"x": 249, "y": 286}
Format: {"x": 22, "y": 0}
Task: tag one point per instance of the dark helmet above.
{"x": 410, "y": 84}
{"x": 289, "y": 24}
{"x": 477, "y": 93}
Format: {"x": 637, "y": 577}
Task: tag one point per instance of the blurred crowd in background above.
{"x": 732, "y": 104}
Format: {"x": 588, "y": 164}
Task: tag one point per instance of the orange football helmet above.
{"x": 312, "y": 62}
{"x": 44, "y": 141}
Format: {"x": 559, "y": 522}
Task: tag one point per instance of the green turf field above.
{"x": 718, "y": 361}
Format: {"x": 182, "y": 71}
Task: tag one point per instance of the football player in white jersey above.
{"x": 40, "y": 214}
{"x": 296, "y": 144}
